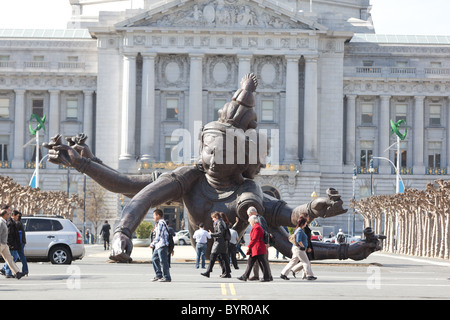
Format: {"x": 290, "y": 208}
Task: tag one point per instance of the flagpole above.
{"x": 37, "y": 159}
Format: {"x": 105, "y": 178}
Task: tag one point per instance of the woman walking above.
{"x": 256, "y": 250}
{"x": 299, "y": 257}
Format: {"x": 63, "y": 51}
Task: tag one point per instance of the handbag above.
{"x": 292, "y": 238}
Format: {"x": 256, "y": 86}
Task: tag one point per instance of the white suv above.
{"x": 52, "y": 239}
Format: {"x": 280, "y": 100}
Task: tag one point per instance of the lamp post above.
{"x": 398, "y": 176}
{"x": 353, "y": 187}
{"x": 371, "y": 170}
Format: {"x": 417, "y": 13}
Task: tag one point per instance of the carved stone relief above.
{"x": 221, "y": 72}
{"x": 271, "y": 70}
{"x": 172, "y": 70}
{"x": 222, "y": 13}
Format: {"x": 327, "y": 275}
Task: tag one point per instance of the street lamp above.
{"x": 398, "y": 176}
{"x": 354, "y": 183}
{"x": 371, "y": 170}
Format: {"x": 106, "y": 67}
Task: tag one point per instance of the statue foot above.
{"x": 121, "y": 257}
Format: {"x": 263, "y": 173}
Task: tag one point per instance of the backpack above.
{"x": 171, "y": 244}
{"x": 340, "y": 238}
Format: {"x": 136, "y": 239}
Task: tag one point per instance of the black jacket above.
{"x": 219, "y": 244}
{"x": 13, "y": 235}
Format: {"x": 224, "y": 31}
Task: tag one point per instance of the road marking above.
{"x": 223, "y": 287}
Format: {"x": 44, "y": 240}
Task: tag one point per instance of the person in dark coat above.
{"x": 219, "y": 248}
{"x": 105, "y": 232}
{"x": 14, "y": 242}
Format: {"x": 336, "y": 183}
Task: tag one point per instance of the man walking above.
{"x": 105, "y": 232}
{"x": 160, "y": 244}
{"x": 201, "y": 237}
{"x": 4, "y": 248}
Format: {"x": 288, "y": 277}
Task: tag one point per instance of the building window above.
{"x": 366, "y": 153}
{"x": 267, "y": 110}
{"x": 172, "y": 109}
{"x": 72, "y": 109}
{"x": 434, "y": 154}
{"x": 4, "y": 108}
{"x": 403, "y": 154}
{"x": 435, "y": 115}
{"x": 367, "y": 63}
{"x": 366, "y": 113}
{"x": 4, "y": 142}
{"x": 401, "y": 64}
{"x": 38, "y": 107}
{"x": 218, "y": 104}
{"x": 400, "y": 112}
{"x": 169, "y": 146}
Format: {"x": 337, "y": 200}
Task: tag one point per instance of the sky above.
{"x": 417, "y": 17}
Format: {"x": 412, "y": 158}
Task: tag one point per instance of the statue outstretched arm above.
{"x": 278, "y": 213}
{"x": 77, "y": 155}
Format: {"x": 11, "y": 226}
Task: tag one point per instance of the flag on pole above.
{"x": 33, "y": 180}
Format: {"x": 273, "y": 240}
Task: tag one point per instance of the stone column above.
{"x": 350, "y": 132}
{"x": 195, "y": 100}
{"x": 148, "y": 108}
{"x": 244, "y": 65}
{"x": 418, "y": 135}
{"x": 54, "y": 114}
{"x": 127, "y": 146}
{"x": 384, "y": 132}
{"x": 448, "y": 135}
{"x": 291, "y": 132}
{"x": 88, "y": 116}
{"x": 19, "y": 127}
{"x": 310, "y": 113}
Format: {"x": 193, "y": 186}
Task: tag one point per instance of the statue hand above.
{"x": 362, "y": 249}
{"x": 61, "y": 154}
{"x": 121, "y": 248}
{"x": 78, "y": 143}
{"x": 325, "y": 207}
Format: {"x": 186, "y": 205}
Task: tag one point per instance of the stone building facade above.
{"x": 328, "y": 87}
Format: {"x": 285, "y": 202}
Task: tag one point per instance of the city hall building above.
{"x": 328, "y": 87}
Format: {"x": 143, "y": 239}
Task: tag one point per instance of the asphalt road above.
{"x": 381, "y": 276}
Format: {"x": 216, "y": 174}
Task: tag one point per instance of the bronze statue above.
{"x": 214, "y": 183}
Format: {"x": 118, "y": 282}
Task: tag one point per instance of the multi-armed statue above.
{"x": 221, "y": 180}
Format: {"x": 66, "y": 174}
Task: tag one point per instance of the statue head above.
{"x": 240, "y": 112}
{"x": 222, "y": 153}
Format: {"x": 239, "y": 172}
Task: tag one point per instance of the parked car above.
{"x": 316, "y": 235}
{"x": 53, "y": 239}
{"x": 182, "y": 237}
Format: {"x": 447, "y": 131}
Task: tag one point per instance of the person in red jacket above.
{"x": 256, "y": 250}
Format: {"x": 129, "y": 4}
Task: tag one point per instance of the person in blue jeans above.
{"x": 201, "y": 237}
{"x": 16, "y": 236}
{"x": 160, "y": 244}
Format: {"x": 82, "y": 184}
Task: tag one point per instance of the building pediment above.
{"x": 221, "y": 14}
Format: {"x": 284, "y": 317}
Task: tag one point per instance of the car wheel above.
{"x": 60, "y": 255}
{"x": 182, "y": 242}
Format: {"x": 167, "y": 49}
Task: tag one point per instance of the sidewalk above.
{"x": 181, "y": 254}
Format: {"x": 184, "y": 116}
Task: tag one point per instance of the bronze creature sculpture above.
{"x": 221, "y": 180}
